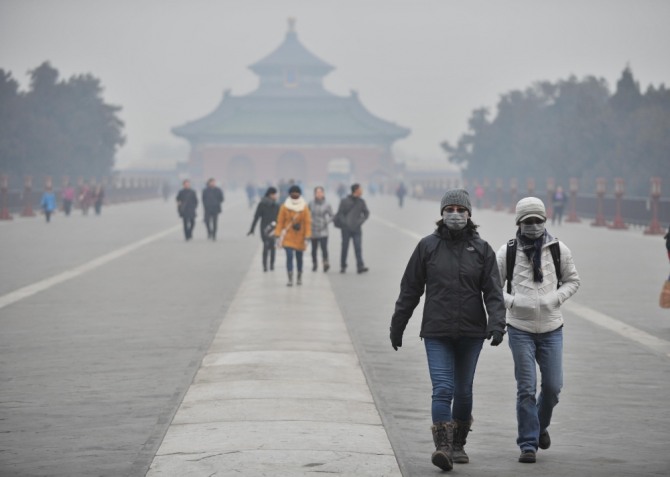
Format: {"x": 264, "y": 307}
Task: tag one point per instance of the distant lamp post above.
{"x": 27, "y": 197}
{"x": 551, "y": 188}
{"x": 618, "y": 223}
{"x": 601, "y": 186}
{"x": 513, "y": 188}
{"x": 499, "y": 190}
{"x": 655, "y": 227}
{"x": 4, "y": 198}
{"x": 574, "y": 188}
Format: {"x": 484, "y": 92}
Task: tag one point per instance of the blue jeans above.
{"x": 289, "y": 259}
{"x": 357, "y": 237}
{"x": 452, "y": 363}
{"x": 534, "y": 415}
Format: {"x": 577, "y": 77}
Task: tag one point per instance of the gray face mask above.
{"x": 454, "y": 220}
{"x": 533, "y": 231}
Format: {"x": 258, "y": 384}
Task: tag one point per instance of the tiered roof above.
{"x": 291, "y": 106}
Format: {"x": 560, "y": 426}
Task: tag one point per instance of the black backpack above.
{"x": 555, "y": 250}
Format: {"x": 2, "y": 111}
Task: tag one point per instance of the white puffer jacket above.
{"x": 532, "y": 306}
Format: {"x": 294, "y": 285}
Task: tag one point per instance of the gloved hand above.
{"x": 496, "y": 337}
{"x": 396, "y": 339}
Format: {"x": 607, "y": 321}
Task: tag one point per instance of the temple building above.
{"x": 290, "y": 127}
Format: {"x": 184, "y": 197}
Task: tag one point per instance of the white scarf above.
{"x": 296, "y": 205}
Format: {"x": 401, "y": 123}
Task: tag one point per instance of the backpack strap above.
{"x": 510, "y": 260}
{"x": 555, "y": 249}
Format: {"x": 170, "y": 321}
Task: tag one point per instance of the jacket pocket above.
{"x": 549, "y": 302}
{"x": 523, "y": 306}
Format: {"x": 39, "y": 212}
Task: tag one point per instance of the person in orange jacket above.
{"x": 294, "y": 228}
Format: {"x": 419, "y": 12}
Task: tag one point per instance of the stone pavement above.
{"x": 185, "y": 359}
{"x": 280, "y": 392}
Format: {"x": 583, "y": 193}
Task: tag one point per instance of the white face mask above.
{"x": 454, "y": 220}
{"x": 533, "y": 231}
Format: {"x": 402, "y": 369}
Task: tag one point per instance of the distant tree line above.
{"x": 572, "y": 128}
{"x": 57, "y": 127}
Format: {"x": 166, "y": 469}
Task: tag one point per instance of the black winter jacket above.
{"x": 187, "y": 202}
{"x": 455, "y": 273}
{"x": 266, "y": 212}
{"x": 352, "y": 212}
{"x": 212, "y": 197}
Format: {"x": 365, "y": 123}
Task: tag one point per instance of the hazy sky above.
{"x": 424, "y": 64}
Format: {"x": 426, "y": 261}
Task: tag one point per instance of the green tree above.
{"x": 57, "y": 127}
{"x": 571, "y": 128}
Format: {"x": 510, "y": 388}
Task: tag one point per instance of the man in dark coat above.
{"x": 187, "y": 202}
{"x": 212, "y": 197}
{"x": 266, "y": 211}
{"x": 350, "y": 216}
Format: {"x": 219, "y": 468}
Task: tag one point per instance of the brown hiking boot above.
{"x": 443, "y": 437}
{"x": 461, "y": 430}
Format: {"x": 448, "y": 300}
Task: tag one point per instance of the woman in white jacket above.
{"x": 535, "y": 321}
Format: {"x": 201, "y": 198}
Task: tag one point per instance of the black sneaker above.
{"x": 527, "y": 457}
{"x": 545, "y": 440}
{"x": 363, "y": 270}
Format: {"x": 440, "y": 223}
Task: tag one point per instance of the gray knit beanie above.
{"x": 456, "y": 197}
{"x": 530, "y": 207}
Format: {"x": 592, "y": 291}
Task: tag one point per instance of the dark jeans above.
{"x": 452, "y": 363}
{"x": 268, "y": 249}
{"x": 289, "y": 259}
{"x": 316, "y": 242}
{"x": 357, "y": 237}
{"x": 67, "y": 206}
{"x": 211, "y": 220}
{"x": 47, "y": 215}
{"x": 189, "y": 223}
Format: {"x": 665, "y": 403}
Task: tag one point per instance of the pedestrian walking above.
{"x": 351, "y": 214}
{"x": 187, "y": 203}
{"x": 322, "y": 215}
{"x": 401, "y": 192}
{"x": 267, "y": 211}
{"x": 85, "y": 198}
{"x": 250, "y": 189}
{"x": 294, "y": 227}
{"x": 165, "y": 190}
{"x": 558, "y": 204}
{"x": 48, "y": 203}
{"x": 456, "y": 268}
{"x": 541, "y": 276}
{"x": 98, "y": 199}
{"x": 67, "y": 196}
{"x": 212, "y": 198}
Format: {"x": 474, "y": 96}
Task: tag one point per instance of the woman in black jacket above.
{"x": 455, "y": 267}
{"x": 266, "y": 211}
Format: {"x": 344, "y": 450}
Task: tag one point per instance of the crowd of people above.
{"x": 86, "y": 197}
{"x": 289, "y": 223}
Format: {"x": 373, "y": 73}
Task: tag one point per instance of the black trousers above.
{"x": 189, "y": 223}
{"x": 269, "y": 250}
{"x": 316, "y": 242}
{"x": 357, "y": 238}
{"x": 211, "y": 220}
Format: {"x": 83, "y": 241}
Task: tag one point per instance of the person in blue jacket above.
{"x": 48, "y": 203}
